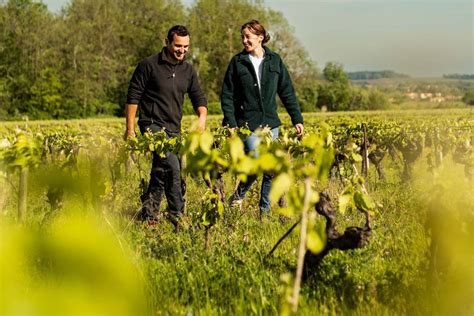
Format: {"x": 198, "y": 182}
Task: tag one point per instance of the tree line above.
{"x": 374, "y": 75}
{"x": 77, "y": 63}
{"x": 459, "y": 76}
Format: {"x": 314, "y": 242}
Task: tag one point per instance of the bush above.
{"x": 469, "y": 97}
{"x": 376, "y": 100}
{"x": 212, "y": 108}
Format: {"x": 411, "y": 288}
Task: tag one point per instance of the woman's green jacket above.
{"x": 244, "y": 104}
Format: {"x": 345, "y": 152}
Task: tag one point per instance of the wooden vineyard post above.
{"x": 365, "y": 158}
{"x": 128, "y": 165}
{"x": 438, "y": 149}
{"x": 22, "y": 195}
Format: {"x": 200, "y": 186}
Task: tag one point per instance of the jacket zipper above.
{"x": 174, "y": 74}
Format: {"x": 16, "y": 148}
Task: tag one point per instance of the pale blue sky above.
{"x": 416, "y": 37}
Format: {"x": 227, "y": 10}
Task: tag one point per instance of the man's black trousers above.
{"x": 165, "y": 177}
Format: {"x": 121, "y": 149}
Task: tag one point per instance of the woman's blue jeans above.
{"x": 251, "y": 145}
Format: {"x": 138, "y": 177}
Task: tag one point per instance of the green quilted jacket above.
{"x": 244, "y": 104}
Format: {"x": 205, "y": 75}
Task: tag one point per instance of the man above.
{"x": 157, "y": 91}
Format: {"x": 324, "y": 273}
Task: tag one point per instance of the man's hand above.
{"x": 201, "y": 124}
{"x": 129, "y": 134}
{"x": 299, "y": 129}
{"x": 202, "y": 115}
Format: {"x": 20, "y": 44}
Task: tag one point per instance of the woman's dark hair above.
{"x": 179, "y": 30}
{"x": 256, "y": 28}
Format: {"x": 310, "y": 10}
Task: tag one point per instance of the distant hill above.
{"x": 373, "y": 75}
{"x": 459, "y": 76}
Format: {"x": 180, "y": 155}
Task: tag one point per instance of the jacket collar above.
{"x": 164, "y": 57}
{"x": 244, "y": 55}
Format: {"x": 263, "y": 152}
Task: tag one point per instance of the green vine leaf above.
{"x": 363, "y": 201}
{"x": 280, "y": 185}
{"x": 315, "y": 242}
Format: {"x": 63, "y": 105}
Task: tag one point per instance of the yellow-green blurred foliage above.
{"x": 450, "y": 227}
{"x": 74, "y": 266}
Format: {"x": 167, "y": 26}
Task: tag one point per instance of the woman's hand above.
{"x": 299, "y": 129}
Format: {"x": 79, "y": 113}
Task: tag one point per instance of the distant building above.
{"x": 412, "y": 95}
{"x": 431, "y": 97}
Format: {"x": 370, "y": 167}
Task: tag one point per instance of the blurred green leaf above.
{"x": 236, "y": 149}
{"x": 356, "y": 157}
{"x": 280, "y": 185}
{"x": 314, "y": 242}
{"x": 268, "y": 162}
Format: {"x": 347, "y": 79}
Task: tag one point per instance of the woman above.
{"x": 253, "y": 79}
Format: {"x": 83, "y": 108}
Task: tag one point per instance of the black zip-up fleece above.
{"x": 158, "y": 87}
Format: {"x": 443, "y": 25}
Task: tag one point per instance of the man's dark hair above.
{"x": 179, "y": 30}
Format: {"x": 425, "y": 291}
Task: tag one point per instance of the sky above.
{"x": 420, "y": 38}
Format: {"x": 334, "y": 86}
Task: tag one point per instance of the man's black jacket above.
{"x": 158, "y": 87}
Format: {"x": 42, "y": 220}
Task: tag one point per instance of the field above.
{"x": 70, "y": 243}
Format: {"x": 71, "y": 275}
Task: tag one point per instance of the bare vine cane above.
{"x": 302, "y": 247}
